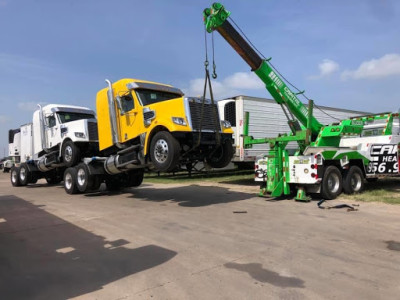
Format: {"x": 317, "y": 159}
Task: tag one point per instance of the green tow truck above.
{"x": 329, "y": 158}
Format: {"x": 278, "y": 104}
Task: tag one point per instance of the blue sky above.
{"x": 343, "y": 53}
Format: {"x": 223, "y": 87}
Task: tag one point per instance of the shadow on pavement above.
{"x": 257, "y": 272}
{"x": 44, "y": 257}
{"x": 191, "y": 196}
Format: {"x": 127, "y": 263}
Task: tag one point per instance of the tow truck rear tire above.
{"x": 24, "y": 174}
{"x": 15, "y": 176}
{"x": 222, "y": 156}
{"x": 332, "y": 183}
{"x": 70, "y": 176}
{"x": 353, "y": 181}
{"x": 71, "y": 154}
{"x": 164, "y": 151}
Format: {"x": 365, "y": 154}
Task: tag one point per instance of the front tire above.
{"x": 135, "y": 178}
{"x": 70, "y": 154}
{"x": 353, "y": 181}
{"x": 332, "y": 183}
{"x": 164, "y": 151}
{"x": 222, "y": 156}
{"x": 15, "y": 176}
{"x": 70, "y": 176}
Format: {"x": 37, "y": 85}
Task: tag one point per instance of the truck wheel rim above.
{"x": 333, "y": 183}
{"x": 22, "y": 174}
{"x": 14, "y": 176}
{"x": 68, "y": 181}
{"x": 81, "y": 177}
{"x": 161, "y": 151}
{"x": 356, "y": 182}
{"x": 68, "y": 153}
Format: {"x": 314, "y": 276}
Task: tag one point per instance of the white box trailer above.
{"x": 26, "y": 142}
{"x": 267, "y": 120}
{"x": 14, "y": 149}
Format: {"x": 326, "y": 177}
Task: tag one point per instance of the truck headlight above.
{"x": 179, "y": 121}
{"x": 226, "y": 124}
{"x": 80, "y": 135}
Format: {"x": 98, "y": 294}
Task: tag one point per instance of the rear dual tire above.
{"x": 79, "y": 180}
{"x": 353, "y": 181}
{"x": 15, "y": 176}
{"x": 333, "y": 183}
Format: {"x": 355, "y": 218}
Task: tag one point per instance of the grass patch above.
{"x": 244, "y": 177}
{"x": 385, "y": 190}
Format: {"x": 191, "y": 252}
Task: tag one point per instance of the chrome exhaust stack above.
{"x": 43, "y": 137}
{"x": 113, "y": 115}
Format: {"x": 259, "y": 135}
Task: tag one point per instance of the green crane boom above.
{"x": 216, "y": 18}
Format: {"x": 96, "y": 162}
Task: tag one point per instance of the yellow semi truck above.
{"x": 143, "y": 124}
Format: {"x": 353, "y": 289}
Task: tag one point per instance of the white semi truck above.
{"x": 57, "y": 138}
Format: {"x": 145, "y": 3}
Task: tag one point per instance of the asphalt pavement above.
{"x": 192, "y": 241}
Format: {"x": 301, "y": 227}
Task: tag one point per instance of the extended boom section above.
{"x": 216, "y": 18}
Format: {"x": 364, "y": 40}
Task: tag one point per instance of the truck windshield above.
{"x": 150, "y": 96}
{"x": 66, "y": 117}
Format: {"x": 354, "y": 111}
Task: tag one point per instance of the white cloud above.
{"x": 29, "y": 106}
{"x": 385, "y": 66}
{"x": 230, "y": 86}
{"x": 4, "y": 119}
{"x": 326, "y": 68}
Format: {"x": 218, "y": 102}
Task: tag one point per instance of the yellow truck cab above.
{"x": 154, "y": 125}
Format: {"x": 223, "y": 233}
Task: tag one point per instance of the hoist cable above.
{"x": 214, "y": 75}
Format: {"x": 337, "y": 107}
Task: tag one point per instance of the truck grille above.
{"x": 92, "y": 129}
{"x": 230, "y": 113}
{"x": 210, "y": 116}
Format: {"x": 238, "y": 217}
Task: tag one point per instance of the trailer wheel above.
{"x": 24, "y": 174}
{"x": 84, "y": 180}
{"x": 353, "y": 181}
{"x": 15, "y": 176}
{"x": 332, "y": 183}
{"x": 222, "y": 156}
{"x": 135, "y": 178}
{"x": 70, "y": 153}
{"x": 164, "y": 151}
{"x": 70, "y": 176}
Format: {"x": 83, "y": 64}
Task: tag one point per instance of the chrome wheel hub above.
{"x": 68, "y": 181}
{"x": 356, "y": 182}
{"x": 81, "y": 177}
{"x": 333, "y": 183}
{"x": 68, "y": 153}
{"x": 22, "y": 174}
{"x": 161, "y": 151}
